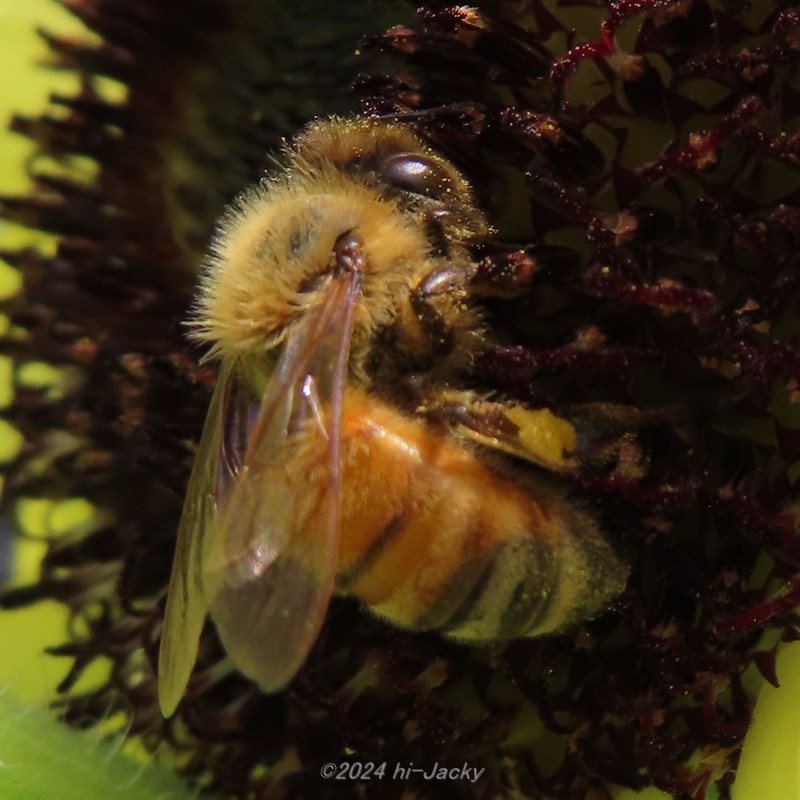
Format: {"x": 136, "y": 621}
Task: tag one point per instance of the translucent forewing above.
{"x": 186, "y": 608}
{"x": 270, "y": 570}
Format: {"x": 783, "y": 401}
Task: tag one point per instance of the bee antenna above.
{"x": 406, "y": 116}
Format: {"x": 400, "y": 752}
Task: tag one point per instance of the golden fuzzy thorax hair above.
{"x": 273, "y": 250}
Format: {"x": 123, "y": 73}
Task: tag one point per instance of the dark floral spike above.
{"x": 619, "y": 12}
{"x": 703, "y": 147}
{"x": 639, "y": 159}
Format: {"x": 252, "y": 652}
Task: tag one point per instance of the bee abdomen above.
{"x": 433, "y": 539}
{"x": 529, "y": 588}
{"x": 510, "y": 596}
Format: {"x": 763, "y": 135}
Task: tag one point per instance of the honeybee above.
{"x": 340, "y": 453}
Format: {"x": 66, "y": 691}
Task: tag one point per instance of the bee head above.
{"x": 353, "y": 197}
{"x": 398, "y": 164}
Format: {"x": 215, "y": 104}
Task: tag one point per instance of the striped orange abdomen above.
{"x": 433, "y": 538}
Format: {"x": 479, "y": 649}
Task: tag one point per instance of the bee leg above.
{"x": 505, "y": 275}
{"x": 435, "y": 219}
{"x": 509, "y": 270}
{"x": 608, "y": 433}
{"x": 597, "y": 435}
{"x": 536, "y": 435}
{"x": 432, "y": 300}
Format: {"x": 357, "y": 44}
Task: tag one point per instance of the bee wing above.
{"x": 186, "y": 608}
{"x": 270, "y": 570}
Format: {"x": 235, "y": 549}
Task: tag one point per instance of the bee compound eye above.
{"x": 416, "y": 173}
